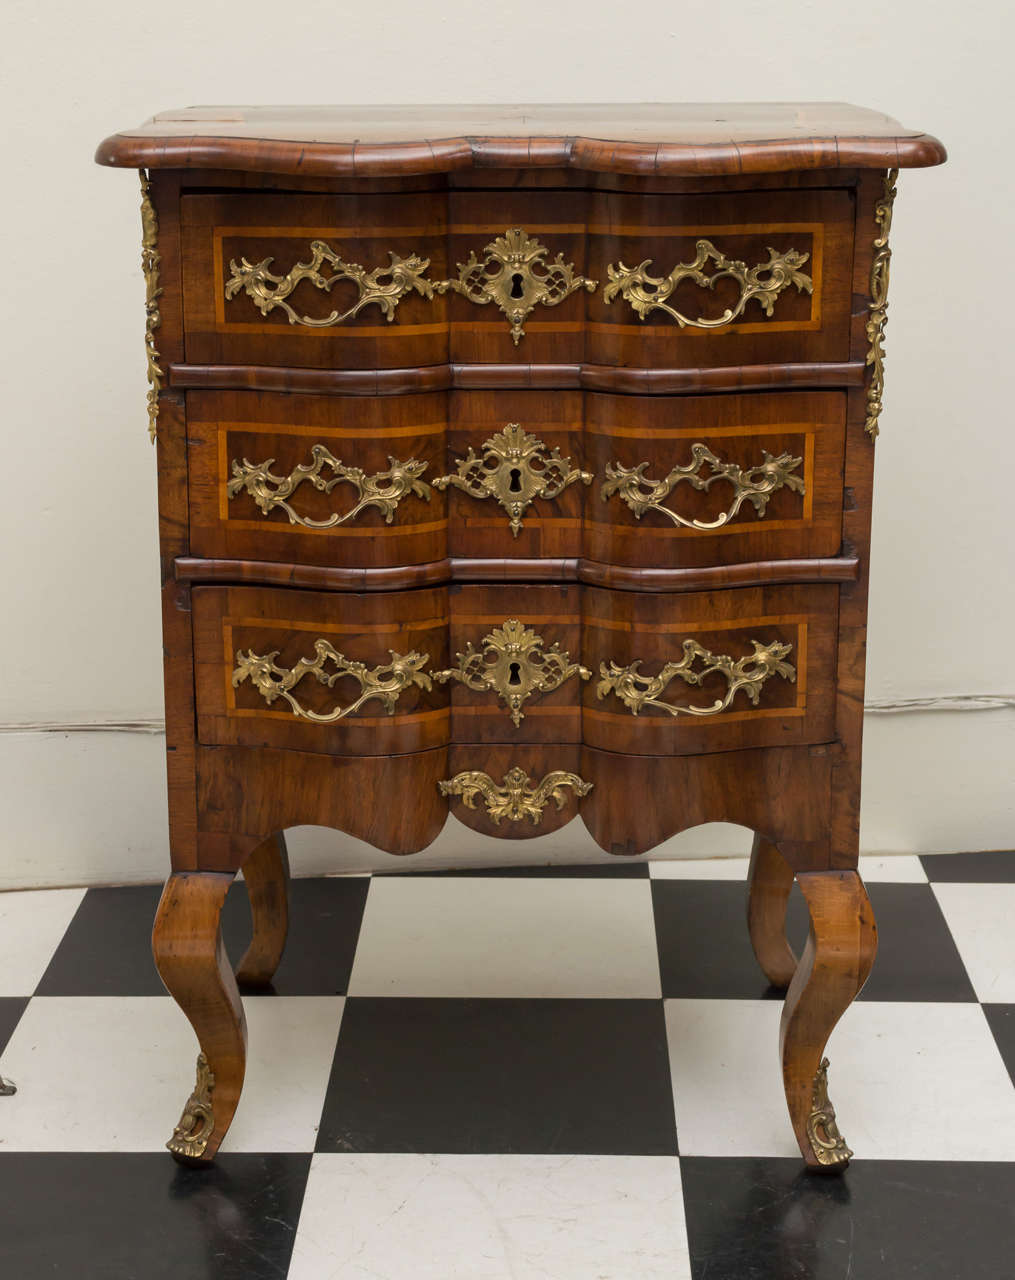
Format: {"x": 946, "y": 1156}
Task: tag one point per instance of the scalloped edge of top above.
{"x": 445, "y": 155}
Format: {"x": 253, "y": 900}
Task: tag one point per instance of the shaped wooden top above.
{"x": 632, "y": 138}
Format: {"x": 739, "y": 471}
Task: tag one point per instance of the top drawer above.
{"x": 328, "y": 282}
{"x": 517, "y": 277}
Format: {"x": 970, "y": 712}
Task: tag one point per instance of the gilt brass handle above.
{"x": 515, "y": 275}
{"x": 383, "y": 287}
{"x": 513, "y": 663}
{"x": 754, "y": 485}
{"x": 384, "y": 683}
{"x": 748, "y": 675}
{"x": 515, "y": 468}
{"x": 517, "y": 796}
{"x": 762, "y": 283}
{"x": 383, "y": 490}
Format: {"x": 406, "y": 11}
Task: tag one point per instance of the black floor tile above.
{"x": 1001, "y": 1019}
{"x": 705, "y": 953}
{"x": 142, "y": 1217}
{"x": 996, "y": 867}
{"x": 522, "y": 1076}
{"x": 106, "y": 950}
{"x": 620, "y": 870}
{"x": 11, "y": 1009}
{"x": 753, "y": 1219}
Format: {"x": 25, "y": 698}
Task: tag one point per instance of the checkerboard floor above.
{"x": 551, "y": 1073}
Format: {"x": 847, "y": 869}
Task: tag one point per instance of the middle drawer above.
{"x": 649, "y": 481}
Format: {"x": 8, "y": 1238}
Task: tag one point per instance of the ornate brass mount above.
{"x": 515, "y": 275}
{"x": 190, "y": 1137}
{"x": 515, "y": 468}
{"x": 150, "y": 262}
{"x": 879, "y": 303}
{"x": 748, "y": 674}
{"x": 826, "y": 1141}
{"x": 513, "y": 664}
{"x": 762, "y": 283}
{"x": 383, "y": 683}
{"x": 518, "y": 796}
{"x": 384, "y": 489}
{"x": 383, "y": 287}
{"x": 755, "y": 485}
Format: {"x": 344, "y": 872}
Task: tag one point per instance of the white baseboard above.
{"x": 87, "y": 805}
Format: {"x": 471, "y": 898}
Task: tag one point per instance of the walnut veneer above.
{"x": 515, "y": 462}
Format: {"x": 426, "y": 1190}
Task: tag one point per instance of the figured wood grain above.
{"x": 769, "y": 882}
{"x": 649, "y": 138}
{"x": 266, "y": 875}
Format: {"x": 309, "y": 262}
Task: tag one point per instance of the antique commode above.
{"x": 404, "y": 361}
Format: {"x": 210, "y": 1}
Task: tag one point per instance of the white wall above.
{"x": 81, "y": 642}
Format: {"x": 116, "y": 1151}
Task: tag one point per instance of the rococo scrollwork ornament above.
{"x": 761, "y": 284}
{"x": 515, "y": 275}
{"x": 513, "y": 663}
{"x": 150, "y": 262}
{"x": 515, "y": 468}
{"x": 383, "y": 490}
{"x": 878, "y": 314}
{"x": 746, "y": 675}
{"x": 753, "y": 484}
{"x": 384, "y": 287}
{"x": 383, "y": 684}
{"x": 517, "y": 796}
{"x": 823, "y": 1134}
{"x": 197, "y": 1123}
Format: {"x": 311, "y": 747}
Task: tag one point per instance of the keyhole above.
{"x": 517, "y": 282}
{"x": 513, "y": 674}
{"x": 516, "y": 481}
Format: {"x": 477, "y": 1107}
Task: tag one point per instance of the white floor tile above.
{"x": 913, "y": 1081}
{"x": 502, "y": 1217}
{"x": 31, "y": 926}
{"x": 894, "y": 869}
{"x": 478, "y": 936}
{"x": 981, "y": 918}
{"x": 97, "y": 1073}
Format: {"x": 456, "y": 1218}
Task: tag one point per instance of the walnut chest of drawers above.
{"x": 515, "y": 462}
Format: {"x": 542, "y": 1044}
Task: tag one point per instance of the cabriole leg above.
{"x": 834, "y": 966}
{"x": 768, "y": 888}
{"x": 192, "y": 962}
{"x": 266, "y": 873}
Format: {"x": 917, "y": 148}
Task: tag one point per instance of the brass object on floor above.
{"x": 761, "y": 284}
{"x": 513, "y": 664}
{"x": 515, "y": 468}
{"x": 746, "y": 675}
{"x": 826, "y": 1141}
{"x": 754, "y": 485}
{"x": 383, "y": 490}
{"x": 383, "y": 683}
{"x": 879, "y": 303}
{"x": 190, "y": 1137}
{"x": 383, "y": 287}
{"x": 517, "y": 796}
{"x": 150, "y": 261}
{"x": 515, "y": 275}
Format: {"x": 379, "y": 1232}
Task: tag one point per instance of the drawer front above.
{"x": 709, "y": 671}
{"x": 338, "y": 282}
{"x": 703, "y": 281}
{"x": 515, "y": 673}
{"x": 314, "y": 671}
{"x": 327, "y": 480}
{"x": 708, "y": 480}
